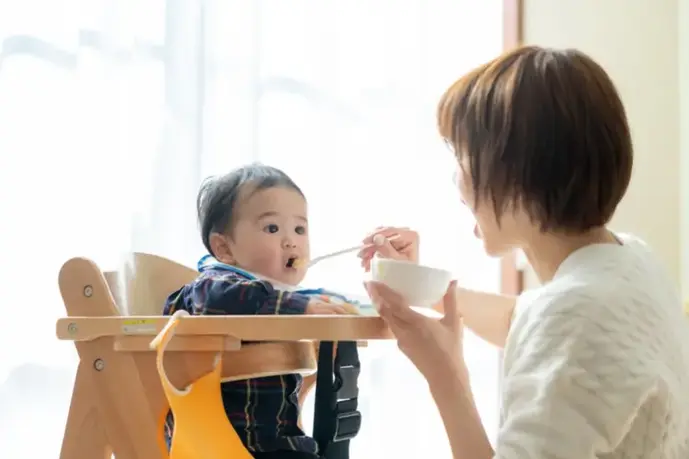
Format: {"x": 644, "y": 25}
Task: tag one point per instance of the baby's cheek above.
{"x": 265, "y": 259}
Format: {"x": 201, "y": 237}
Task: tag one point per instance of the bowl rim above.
{"x": 411, "y": 263}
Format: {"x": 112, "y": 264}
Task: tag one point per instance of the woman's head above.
{"x": 542, "y": 143}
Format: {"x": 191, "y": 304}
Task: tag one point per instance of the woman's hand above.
{"x": 433, "y": 345}
{"x": 403, "y": 247}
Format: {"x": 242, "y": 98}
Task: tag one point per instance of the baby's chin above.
{"x": 288, "y": 276}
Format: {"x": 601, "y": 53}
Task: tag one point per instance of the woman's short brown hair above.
{"x": 544, "y": 128}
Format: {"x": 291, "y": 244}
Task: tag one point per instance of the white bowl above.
{"x": 420, "y": 285}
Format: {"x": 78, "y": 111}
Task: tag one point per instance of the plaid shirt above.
{"x": 263, "y": 411}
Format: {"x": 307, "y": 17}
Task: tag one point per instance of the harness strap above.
{"x": 336, "y": 416}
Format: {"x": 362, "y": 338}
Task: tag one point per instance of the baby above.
{"x": 254, "y": 225}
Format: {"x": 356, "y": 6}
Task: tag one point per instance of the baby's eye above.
{"x": 300, "y": 230}
{"x": 272, "y": 228}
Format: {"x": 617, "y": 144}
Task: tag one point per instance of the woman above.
{"x": 596, "y": 360}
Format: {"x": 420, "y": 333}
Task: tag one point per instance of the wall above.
{"x": 638, "y": 44}
{"x": 683, "y": 18}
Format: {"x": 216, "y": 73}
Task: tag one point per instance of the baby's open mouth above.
{"x": 295, "y": 263}
{"x": 292, "y": 262}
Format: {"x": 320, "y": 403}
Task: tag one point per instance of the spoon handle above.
{"x": 356, "y": 248}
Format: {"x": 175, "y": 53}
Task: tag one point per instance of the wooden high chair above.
{"x": 118, "y": 406}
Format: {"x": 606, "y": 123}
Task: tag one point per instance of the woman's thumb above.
{"x": 386, "y": 250}
{"x": 450, "y": 306}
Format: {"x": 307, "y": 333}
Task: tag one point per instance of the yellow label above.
{"x": 138, "y": 326}
{"x": 138, "y": 321}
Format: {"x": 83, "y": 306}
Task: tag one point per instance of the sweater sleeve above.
{"x": 574, "y": 384}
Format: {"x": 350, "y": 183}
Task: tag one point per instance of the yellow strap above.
{"x": 168, "y": 330}
{"x": 160, "y": 342}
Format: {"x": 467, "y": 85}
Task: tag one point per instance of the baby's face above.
{"x": 270, "y": 233}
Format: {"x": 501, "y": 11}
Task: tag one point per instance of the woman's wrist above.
{"x": 451, "y": 376}
{"x": 455, "y": 401}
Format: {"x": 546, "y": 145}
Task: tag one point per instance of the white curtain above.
{"x": 113, "y": 111}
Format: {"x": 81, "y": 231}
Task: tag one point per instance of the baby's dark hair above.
{"x": 218, "y": 196}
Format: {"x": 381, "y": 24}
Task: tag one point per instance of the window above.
{"x": 113, "y": 111}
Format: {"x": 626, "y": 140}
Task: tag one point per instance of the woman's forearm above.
{"x": 452, "y": 395}
{"x": 486, "y": 314}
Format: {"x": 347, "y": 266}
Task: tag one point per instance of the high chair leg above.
{"x": 109, "y": 399}
{"x": 84, "y": 434}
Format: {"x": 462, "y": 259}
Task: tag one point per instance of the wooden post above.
{"x": 110, "y": 410}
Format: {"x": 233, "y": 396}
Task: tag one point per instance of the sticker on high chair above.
{"x": 139, "y": 326}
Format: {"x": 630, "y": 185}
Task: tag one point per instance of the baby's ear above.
{"x": 221, "y": 248}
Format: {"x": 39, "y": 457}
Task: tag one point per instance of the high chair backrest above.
{"x": 145, "y": 282}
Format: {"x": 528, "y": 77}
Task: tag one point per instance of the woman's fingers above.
{"x": 385, "y": 231}
{"x": 403, "y": 236}
{"x": 381, "y": 293}
{"x": 385, "y": 250}
{"x": 390, "y": 304}
{"x": 398, "y": 327}
{"x": 403, "y": 246}
{"x": 367, "y": 252}
{"x": 372, "y": 245}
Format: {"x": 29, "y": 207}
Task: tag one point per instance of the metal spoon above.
{"x": 378, "y": 240}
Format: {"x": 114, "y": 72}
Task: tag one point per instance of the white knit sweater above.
{"x": 596, "y": 364}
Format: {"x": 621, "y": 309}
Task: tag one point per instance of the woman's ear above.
{"x": 221, "y": 248}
